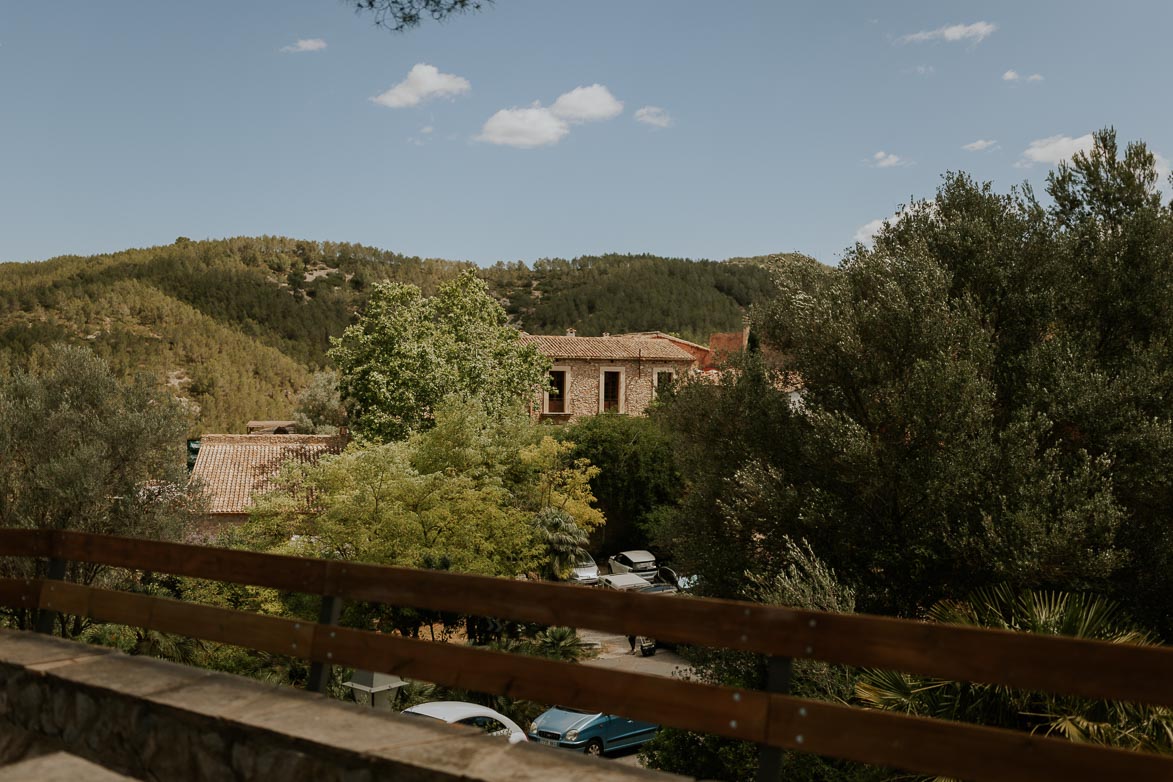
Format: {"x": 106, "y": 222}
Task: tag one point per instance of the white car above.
{"x": 623, "y": 582}
{"x": 460, "y": 713}
{"x": 585, "y": 571}
{"x": 642, "y": 563}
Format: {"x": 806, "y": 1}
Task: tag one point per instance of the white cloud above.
{"x": 587, "y": 104}
{"x": 1016, "y": 76}
{"x": 423, "y": 82}
{"x": 976, "y": 32}
{"x": 886, "y": 160}
{"x": 981, "y": 145}
{"x": 524, "y": 128}
{"x": 654, "y": 116}
{"x": 1162, "y": 165}
{"x": 306, "y": 45}
{"x": 866, "y": 232}
{"x": 1053, "y": 149}
{"x": 426, "y": 129}
{"x": 924, "y": 70}
{"x": 539, "y": 126}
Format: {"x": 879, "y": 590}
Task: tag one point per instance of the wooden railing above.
{"x": 774, "y": 720}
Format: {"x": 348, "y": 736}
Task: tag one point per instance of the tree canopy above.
{"x": 84, "y": 451}
{"x": 988, "y": 398}
{"x": 81, "y": 450}
{"x": 408, "y": 352}
{"x": 473, "y": 493}
{"x": 399, "y": 15}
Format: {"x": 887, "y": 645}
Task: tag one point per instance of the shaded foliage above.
{"x": 986, "y": 399}
{"x": 80, "y": 450}
{"x": 636, "y": 477}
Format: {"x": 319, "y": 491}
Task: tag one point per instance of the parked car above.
{"x": 585, "y": 571}
{"x": 474, "y": 715}
{"x": 623, "y": 581}
{"x": 632, "y": 582}
{"x": 669, "y": 576}
{"x": 589, "y": 732}
{"x": 642, "y": 563}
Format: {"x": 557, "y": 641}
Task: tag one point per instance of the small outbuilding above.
{"x": 234, "y": 467}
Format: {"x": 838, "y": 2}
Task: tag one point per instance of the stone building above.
{"x": 232, "y": 468}
{"x": 592, "y": 375}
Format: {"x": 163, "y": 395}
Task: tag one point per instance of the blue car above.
{"x": 588, "y": 731}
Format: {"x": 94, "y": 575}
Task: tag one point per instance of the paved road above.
{"x": 614, "y": 652}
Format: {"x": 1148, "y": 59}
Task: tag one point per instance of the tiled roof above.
{"x": 618, "y": 348}
{"x": 234, "y": 467}
{"x": 670, "y": 337}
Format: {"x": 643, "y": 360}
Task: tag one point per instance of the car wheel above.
{"x": 594, "y": 747}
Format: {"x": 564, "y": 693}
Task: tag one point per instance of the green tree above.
{"x": 637, "y": 473}
{"x": 408, "y": 352}
{"x": 986, "y": 400}
{"x": 319, "y": 405}
{"x": 470, "y": 494}
{"x": 84, "y": 451}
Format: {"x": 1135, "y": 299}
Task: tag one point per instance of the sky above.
{"x": 548, "y": 128}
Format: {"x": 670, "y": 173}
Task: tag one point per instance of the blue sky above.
{"x": 766, "y": 126}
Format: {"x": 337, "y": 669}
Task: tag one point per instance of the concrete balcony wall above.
{"x": 154, "y": 720}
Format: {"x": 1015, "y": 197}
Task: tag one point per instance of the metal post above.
{"x": 46, "y": 617}
{"x": 770, "y": 759}
{"x": 320, "y": 672}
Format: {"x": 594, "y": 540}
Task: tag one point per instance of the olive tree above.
{"x": 82, "y": 450}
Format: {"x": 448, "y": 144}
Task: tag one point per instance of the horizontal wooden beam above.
{"x": 1022, "y": 660}
{"x": 914, "y": 744}
{"x": 16, "y": 542}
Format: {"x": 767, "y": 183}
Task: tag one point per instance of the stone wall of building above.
{"x": 584, "y": 384}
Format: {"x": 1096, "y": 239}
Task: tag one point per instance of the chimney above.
{"x": 571, "y": 333}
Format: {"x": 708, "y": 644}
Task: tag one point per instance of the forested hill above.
{"x": 621, "y": 293}
{"x": 237, "y": 325}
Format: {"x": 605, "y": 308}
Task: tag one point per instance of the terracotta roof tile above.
{"x": 234, "y": 467}
{"x": 618, "y": 348}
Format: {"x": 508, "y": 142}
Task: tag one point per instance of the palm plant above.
{"x": 560, "y": 643}
{"x": 564, "y": 540}
{"x": 1079, "y": 615}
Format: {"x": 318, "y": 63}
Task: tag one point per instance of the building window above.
{"x": 662, "y": 379}
{"x": 556, "y": 395}
{"x": 611, "y": 391}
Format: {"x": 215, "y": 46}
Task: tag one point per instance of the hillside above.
{"x": 237, "y": 325}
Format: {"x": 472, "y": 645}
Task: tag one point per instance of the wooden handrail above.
{"x": 917, "y": 744}
{"x": 955, "y": 652}
{"x": 1053, "y": 664}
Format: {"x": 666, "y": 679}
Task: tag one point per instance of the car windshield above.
{"x": 585, "y": 561}
{"x": 576, "y": 711}
{"x": 421, "y": 714}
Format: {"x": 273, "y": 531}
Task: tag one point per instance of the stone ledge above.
{"x": 156, "y": 720}
{"x": 58, "y": 767}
